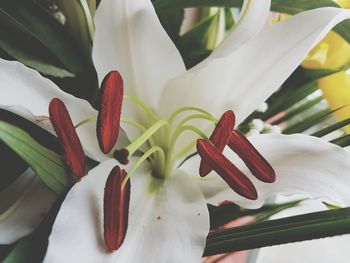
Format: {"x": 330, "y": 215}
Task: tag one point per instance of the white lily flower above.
{"x": 168, "y": 219}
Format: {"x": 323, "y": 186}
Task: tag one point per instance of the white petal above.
{"x": 23, "y": 206}
{"x": 168, "y": 224}
{"x": 303, "y": 164}
{"x": 333, "y": 249}
{"x": 246, "y": 77}
{"x": 25, "y": 92}
{"x": 129, "y": 38}
{"x": 252, "y": 19}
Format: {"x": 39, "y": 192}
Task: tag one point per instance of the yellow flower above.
{"x": 336, "y": 90}
{"x": 332, "y": 53}
{"x": 344, "y": 3}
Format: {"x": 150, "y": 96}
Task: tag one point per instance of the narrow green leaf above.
{"x": 343, "y": 141}
{"x": 280, "y": 231}
{"x": 192, "y": 44}
{"x": 229, "y": 20}
{"x": 288, "y": 97}
{"x": 196, "y": 37}
{"x": 301, "y": 108}
{"x": 297, "y": 6}
{"x": 274, "y": 209}
{"x": 331, "y": 128}
{"x": 48, "y": 165}
{"x": 220, "y": 215}
{"x": 282, "y": 6}
{"x": 320, "y": 73}
{"x": 330, "y": 206}
{"x": 308, "y": 122}
{"x": 171, "y": 20}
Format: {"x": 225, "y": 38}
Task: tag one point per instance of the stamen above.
{"x": 122, "y": 155}
{"x": 108, "y": 120}
{"x": 88, "y": 120}
{"x": 116, "y": 208}
{"x": 191, "y": 128}
{"x": 143, "y": 105}
{"x": 197, "y": 116}
{"x": 137, "y": 125}
{"x": 73, "y": 151}
{"x": 219, "y": 138}
{"x": 256, "y": 163}
{"x": 184, "y": 109}
{"x": 144, "y": 157}
{"x": 227, "y": 170}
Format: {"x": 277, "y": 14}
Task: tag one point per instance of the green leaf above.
{"x": 47, "y": 33}
{"x": 332, "y": 128}
{"x": 24, "y": 48}
{"x": 22, "y": 249}
{"x": 282, "y": 6}
{"x": 229, "y": 20}
{"x": 79, "y": 22}
{"x": 297, "y": 6}
{"x": 287, "y": 97}
{"x": 299, "y": 109}
{"x": 192, "y": 45}
{"x": 220, "y": 215}
{"x": 48, "y": 165}
{"x": 171, "y": 20}
{"x": 165, "y": 4}
{"x": 342, "y": 141}
{"x": 280, "y": 231}
{"x": 308, "y": 122}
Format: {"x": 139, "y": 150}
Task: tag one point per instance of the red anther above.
{"x": 122, "y": 156}
{"x": 220, "y": 137}
{"x": 255, "y": 162}
{"x": 227, "y": 170}
{"x": 108, "y": 120}
{"x": 116, "y": 208}
{"x": 66, "y": 133}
